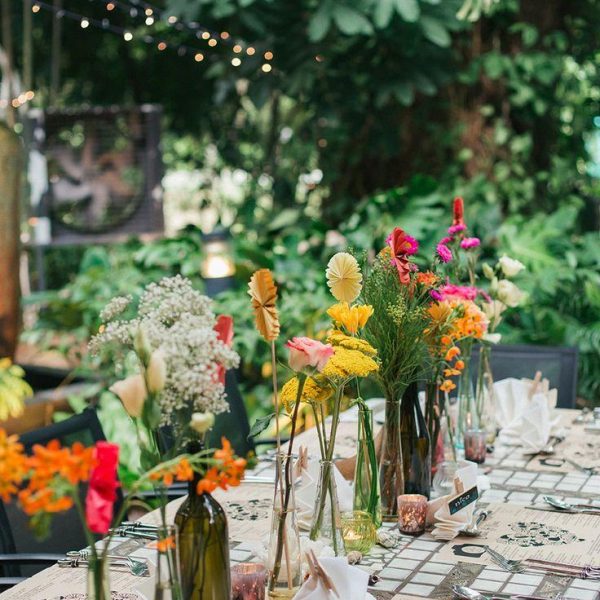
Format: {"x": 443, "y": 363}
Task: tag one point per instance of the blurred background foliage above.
{"x": 375, "y": 114}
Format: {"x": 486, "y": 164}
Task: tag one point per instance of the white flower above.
{"x": 202, "y": 422}
{"x": 510, "y": 266}
{"x": 509, "y": 293}
{"x": 141, "y": 345}
{"x": 114, "y": 308}
{"x": 493, "y": 310}
{"x": 156, "y": 372}
{"x": 132, "y": 393}
{"x": 488, "y": 271}
{"x": 492, "y": 338}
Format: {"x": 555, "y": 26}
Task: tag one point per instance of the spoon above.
{"x": 466, "y": 593}
{"x": 562, "y": 505}
{"x": 472, "y": 530}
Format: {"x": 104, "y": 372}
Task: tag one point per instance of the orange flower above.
{"x": 446, "y": 340}
{"x": 167, "y": 544}
{"x": 447, "y": 386}
{"x": 451, "y": 372}
{"x": 427, "y": 278}
{"x": 228, "y": 473}
{"x": 184, "y": 471}
{"x": 452, "y": 353}
{"x": 12, "y": 465}
{"x": 459, "y": 365}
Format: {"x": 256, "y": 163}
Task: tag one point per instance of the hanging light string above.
{"x": 18, "y": 101}
{"x": 181, "y": 49}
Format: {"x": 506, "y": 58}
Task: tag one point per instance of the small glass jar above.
{"x": 359, "y": 531}
{"x": 248, "y": 581}
{"x": 412, "y": 513}
{"x": 475, "y": 445}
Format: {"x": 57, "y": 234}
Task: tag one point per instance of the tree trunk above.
{"x": 10, "y": 175}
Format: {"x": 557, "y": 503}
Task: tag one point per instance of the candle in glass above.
{"x": 475, "y": 445}
{"x": 248, "y": 581}
{"x": 412, "y": 513}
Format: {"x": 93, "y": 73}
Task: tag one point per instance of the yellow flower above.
{"x": 313, "y": 391}
{"x": 347, "y": 363}
{"x": 439, "y": 312}
{"x": 352, "y": 318}
{"x": 344, "y": 277}
{"x": 337, "y": 338}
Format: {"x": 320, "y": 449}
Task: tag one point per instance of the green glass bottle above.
{"x": 203, "y": 547}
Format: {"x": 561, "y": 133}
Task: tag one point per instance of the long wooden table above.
{"x": 418, "y": 567}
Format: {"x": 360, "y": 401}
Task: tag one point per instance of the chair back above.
{"x": 557, "y": 363}
{"x": 7, "y": 545}
{"x": 66, "y": 532}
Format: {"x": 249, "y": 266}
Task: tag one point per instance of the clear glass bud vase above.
{"x": 168, "y": 571}
{"x": 391, "y": 476}
{"x": 284, "y": 562}
{"x": 468, "y": 417}
{"x": 485, "y": 397}
{"x": 366, "y": 477}
{"x": 98, "y": 586}
{"x": 327, "y": 523}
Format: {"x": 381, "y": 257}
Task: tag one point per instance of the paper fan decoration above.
{"x": 263, "y": 291}
{"x": 344, "y": 277}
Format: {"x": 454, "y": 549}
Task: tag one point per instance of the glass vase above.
{"x": 284, "y": 562}
{"x": 366, "y": 478}
{"x": 484, "y": 393}
{"x": 203, "y": 547}
{"x": 416, "y": 449}
{"x": 327, "y": 524}
{"x": 391, "y": 479}
{"x": 467, "y": 406}
{"x": 433, "y": 419}
{"x": 98, "y": 586}
{"x": 168, "y": 571}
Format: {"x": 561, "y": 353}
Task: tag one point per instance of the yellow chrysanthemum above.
{"x": 346, "y": 363}
{"x": 440, "y": 311}
{"x": 313, "y": 391}
{"x": 352, "y": 318}
{"x": 337, "y": 338}
{"x": 344, "y": 277}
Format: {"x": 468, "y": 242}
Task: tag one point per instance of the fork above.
{"x": 519, "y": 566}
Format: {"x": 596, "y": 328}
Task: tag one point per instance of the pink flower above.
{"x": 224, "y": 330}
{"x": 470, "y": 242}
{"x": 444, "y": 253}
{"x": 436, "y": 295}
{"x": 445, "y": 240}
{"x": 305, "y": 352}
{"x": 456, "y": 228}
{"x": 458, "y": 292}
{"x": 401, "y": 243}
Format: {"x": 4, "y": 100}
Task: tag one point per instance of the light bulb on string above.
{"x": 128, "y": 36}
{"x": 236, "y": 62}
{"x": 212, "y": 42}
{"x": 199, "y": 57}
{"x": 266, "y": 68}
{"x": 224, "y": 35}
{"x": 149, "y": 12}
{"x": 172, "y": 20}
{"x": 250, "y": 50}
{"x": 205, "y": 35}
{"x": 35, "y": 8}
{"x": 110, "y": 6}
{"x": 268, "y": 55}
{"x": 84, "y": 23}
{"x": 149, "y": 21}
{"x": 161, "y": 46}
{"x": 237, "y": 48}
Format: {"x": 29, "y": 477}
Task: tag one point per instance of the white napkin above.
{"x": 350, "y": 582}
{"x": 447, "y": 526}
{"x": 306, "y": 494}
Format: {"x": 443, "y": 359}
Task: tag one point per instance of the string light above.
{"x": 162, "y": 46}
{"x": 268, "y": 55}
{"x": 149, "y": 20}
{"x": 237, "y": 48}
{"x": 198, "y": 57}
{"x": 172, "y": 20}
{"x": 250, "y": 50}
{"x": 19, "y": 100}
{"x": 128, "y": 36}
{"x": 148, "y": 12}
{"x": 212, "y": 42}
{"x": 110, "y": 6}
{"x": 35, "y": 8}
{"x": 205, "y": 35}
{"x": 236, "y": 62}
{"x": 266, "y": 68}
{"x": 224, "y": 35}
{"x": 84, "y": 23}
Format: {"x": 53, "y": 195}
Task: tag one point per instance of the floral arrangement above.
{"x": 179, "y": 349}
{"x": 13, "y": 389}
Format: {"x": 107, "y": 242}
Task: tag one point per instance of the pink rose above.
{"x": 305, "y": 352}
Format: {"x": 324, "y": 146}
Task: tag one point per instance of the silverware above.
{"x": 573, "y": 508}
{"x": 553, "y": 568}
{"x": 586, "y": 470}
{"x": 472, "y": 530}
{"x": 136, "y": 567}
{"x": 466, "y": 593}
{"x": 135, "y": 531}
{"x": 548, "y": 449}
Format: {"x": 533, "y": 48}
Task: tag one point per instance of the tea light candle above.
{"x": 248, "y": 581}
{"x": 475, "y": 445}
{"x": 412, "y": 513}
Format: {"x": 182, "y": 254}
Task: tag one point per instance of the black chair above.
{"x": 66, "y": 534}
{"x": 557, "y": 363}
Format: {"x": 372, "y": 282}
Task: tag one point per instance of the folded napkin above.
{"x": 306, "y": 493}
{"x": 524, "y": 412}
{"x": 446, "y": 526}
{"x": 350, "y": 582}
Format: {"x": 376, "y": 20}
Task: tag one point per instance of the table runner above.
{"x": 418, "y": 567}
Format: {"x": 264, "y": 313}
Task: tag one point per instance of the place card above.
{"x": 463, "y": 500}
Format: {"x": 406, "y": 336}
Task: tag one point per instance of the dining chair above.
{"x": 557, "y": 363}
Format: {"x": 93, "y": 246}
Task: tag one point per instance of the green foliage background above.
{"x": 401, "y": 105}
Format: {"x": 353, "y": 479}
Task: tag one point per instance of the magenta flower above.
{"x": 458, "y": 292}
{"x": 470, "y": 242}
{"x": 444, "y": 253}
{"x": 456, "y": 228}
{"x": 445, "y": 240}
{"x": 436, "y": 295}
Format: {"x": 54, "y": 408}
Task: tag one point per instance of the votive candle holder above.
{"x": 475, "y": 445}
{"x": 248, "y": 581}
{"x": 412, "y": 513}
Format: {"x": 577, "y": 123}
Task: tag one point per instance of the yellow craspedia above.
{"x": 352, "y": 318}
{"x": 313, "y": 391}
{"x": 338, "y": 338}
{"x": 347, "y": 363}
